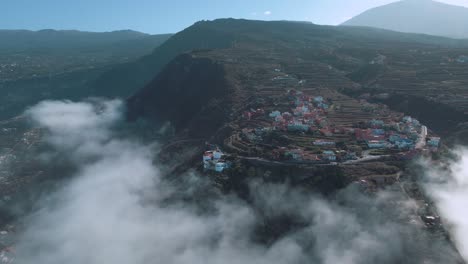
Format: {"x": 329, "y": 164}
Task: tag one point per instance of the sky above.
{"x": 170, "y": 16}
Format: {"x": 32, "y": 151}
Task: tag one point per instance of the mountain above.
{"x": 127, "y": 78}
{"x": 351, "y": 60}
{"x": 53, "y": 40}
{"x": 25, "y": 54}
{"x": 417, "y": 16}
{"x": 287, "y": 101}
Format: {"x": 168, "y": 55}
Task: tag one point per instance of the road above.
{"x": 421, "y": 143}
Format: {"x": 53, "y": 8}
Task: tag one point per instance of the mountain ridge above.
{"x": 416, "y": 16}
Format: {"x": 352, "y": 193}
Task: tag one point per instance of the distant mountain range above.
{"x": 55, "y": 64}
{"x": 417, "y": 16}
{"x": 49, "y": 39}
{"x": 27, "y": 54}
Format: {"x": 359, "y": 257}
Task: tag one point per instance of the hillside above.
{"x": 353, "y": 61}
{"x": 127, "y": 78}
{"x": 314, "y": 106}
{"x": 416, "y": 16}
{"x": 50, "y": 64}
{"x": 26, "y": 54}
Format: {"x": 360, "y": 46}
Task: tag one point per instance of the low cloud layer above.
{"x": 118, "y": 209}
{"x": 448, "y": 187}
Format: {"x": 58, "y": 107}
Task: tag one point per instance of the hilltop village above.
{"x": 304, "y": 128}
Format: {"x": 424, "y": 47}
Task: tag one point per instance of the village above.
{"x": 300, "y": 128}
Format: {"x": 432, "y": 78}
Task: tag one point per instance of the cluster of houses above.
{"x": 402, "y": 135}
{"x": 214, "y": 160}
{"x": 308, "y": 113}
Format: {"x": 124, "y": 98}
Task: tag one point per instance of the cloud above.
{"x": 447, "y": 185}
{"x": 267, "y": 13}
{"x": 118, "y": 208}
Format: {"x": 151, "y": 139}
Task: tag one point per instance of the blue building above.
{"x": 329, "y": 155}
{"x": 323, "y": 105}
{"x": 434, "y": 142}
{"x": 378, "y": 132}
{"x": 377, "y": 123}
{"x": 394, "y": 138}
{"x": 318, "y": 99}
{"x": 462, "y": 59}
{"x": 405, "y": 143}
{"x": 220, "y": 166}
{"x": 298, "y": 127}
{"x": 275, "y": 114}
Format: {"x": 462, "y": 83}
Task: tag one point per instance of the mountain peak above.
{"x": 417, "y": 16}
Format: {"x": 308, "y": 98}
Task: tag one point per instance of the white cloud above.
{"x": 448, "y": 186}
{"x": 118, "y": 209}
{"x": 267, "y": 13}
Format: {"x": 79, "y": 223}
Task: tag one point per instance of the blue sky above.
{"x": 168, "y": 16}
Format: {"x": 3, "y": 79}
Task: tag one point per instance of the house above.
{"x": 295, "y": 154}
{"x": 318, "y": 99}
{"x": 212, "y": 160}
{"x": 322, "y": 142}
{"x": 275, "y": 114}
{"x": 338, "y": 130}
{"x": 298, "y": 126}
{"x": 310, "y": 157}
{"x": 309, "y": 122}
{"x": 416, "y": 122}
{"x": 220, "y": 166}
{"x": 407, "y": 119}
{"x": 322, "y": 122}
{"x": 326, "y": 132}
{"x": 279, "y": 119}
{"x": 217, "y": 155}
{"x": 374, "y": 123}
{"x": 287, "y": 116}
{"x": 434, "y": 142}
{"x": 301, "y": 110}
{"x": 376, "y": 144}
{"x": 329, "y": 155}
{"x": 323, "y": 105}
{"x": 378, "y": 132}
{"x": 351, "y": 156}
{"x": 404, "y": 143}
{"x": 208, "y": 155}
{"x": 258, "y": 112}
{"x": 462, "y": 59}
{"x": 367, "y": 135}
{"x": 396, "y": 137}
